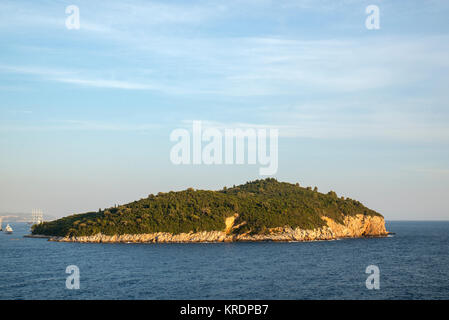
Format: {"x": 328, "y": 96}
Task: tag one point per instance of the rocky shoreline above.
{"x": 353, "y": 227}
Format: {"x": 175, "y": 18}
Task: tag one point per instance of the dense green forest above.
{"x": 260, "y": 205}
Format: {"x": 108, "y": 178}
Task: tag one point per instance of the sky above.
{"x": 86, "y": 114}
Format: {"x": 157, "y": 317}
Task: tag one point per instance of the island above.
{"x": 261, "y": 210}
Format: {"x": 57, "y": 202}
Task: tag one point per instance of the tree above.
{"x": 332, "y": 194}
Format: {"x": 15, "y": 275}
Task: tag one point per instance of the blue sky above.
{"x": 85, "y": 115}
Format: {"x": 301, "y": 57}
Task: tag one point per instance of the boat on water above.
{"x": 8, "y": 229}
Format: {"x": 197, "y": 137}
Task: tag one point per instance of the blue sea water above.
{"x": 414, "y": 264}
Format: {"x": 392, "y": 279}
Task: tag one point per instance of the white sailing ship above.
{"x": 8, "y": 229}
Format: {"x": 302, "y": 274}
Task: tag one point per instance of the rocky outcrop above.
{"x": 352, "y": 227}
{"x": 229, "y": 222}
{"x": 358, "y": 226}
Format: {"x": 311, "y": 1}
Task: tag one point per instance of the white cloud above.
{"x": 113, "y": 84}
{"x": 77, "y": 78}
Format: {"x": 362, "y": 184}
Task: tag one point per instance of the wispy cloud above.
{"x": 109, "y": 17}
{"x": 35, "y": 71}
{"x": 108, "y": 84}
{"x": 77, "y": 78}
{"x": 269, "y": 66}
{"x": 333, "y": 83}
{"x": 80, "y": 125}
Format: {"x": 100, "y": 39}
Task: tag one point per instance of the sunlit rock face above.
{"x": 352, "y": 227}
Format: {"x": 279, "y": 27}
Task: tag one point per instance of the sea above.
{"x": 411, "y": 264}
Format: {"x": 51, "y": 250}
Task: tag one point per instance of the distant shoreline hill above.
{"x": 261, "y": 210}
{"x": 21, "y": 217}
